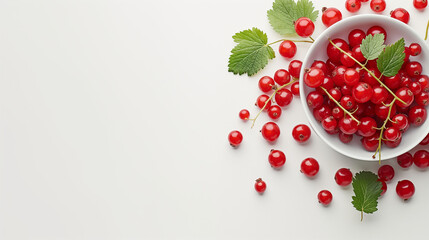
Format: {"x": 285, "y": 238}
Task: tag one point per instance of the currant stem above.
{"x": 361, "y": 215}
{"x": 269, "y": 99}
{"x": 371, "y": 73}
{"x": 382, "y": 130}
{"x": 281, "y": 40}
{"x": 427, "y": 28}
{"x": 339, "y": 105}
{"x": 311, "y": 38}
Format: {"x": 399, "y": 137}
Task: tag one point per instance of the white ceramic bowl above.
{"x": 395, "y": 30}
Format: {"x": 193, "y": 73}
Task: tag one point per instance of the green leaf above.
{"x": 251, "y": 53}
{"x": 367, "y": 191}
{"x": 391, "y": 59}
{"x": 372, "y": 46}
{"x": 285, "y": 12}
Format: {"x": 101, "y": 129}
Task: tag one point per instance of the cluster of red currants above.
{"x": 350, "y": 100}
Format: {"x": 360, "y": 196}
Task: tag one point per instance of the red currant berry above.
{"x": 405, "y": 95}
{"x": 353, "y": 5}
{"x": 405, "y": 160}
{"x": 327, "y": 84}
{"x": 391, "y": 134}
{"x": 424, "y": 82}
{"x": 348, "y": 102}
{"x": 400, "y": 121}
{"x": 357, "y": 54}
{"x": 270, "y": 131}
{"x": 331, "y": 65}
{"x": 322, "y": 112}
{"x": 362, "y": 92}
{"x": 324, "y": 197}
{"x": 421, "y": 159}
{"x": 321, "y": 65}
{"x": 335, "y": 94}
{"x": 425, "y": 141}
{"x": 329, "y": 124}
{"x": 415, "y": 88}
{"x": 333, "y": 53}
{"x": 283, "y": 97}
{"x": 331, "y": 16}
{"x": 369, "y": 78}
{"x": 235, "y": 137}
{"x": 301, "y": 133}
{"x": 343, "y": 177}
{"x": 378, "y": 5}
{"x": 345, "y": 138}
{"x": 414, "y": 69}
{"x": 417, "y": 115}
{"x": 314, "y": 77}
{"x": 314, "y": 99}
{"x": 356, "y": 36}
{"x": 406, "y": 81}
{"x": 392, "y": 82}
{"x": 382, "y": 111}
{"x": 274, "y": 112}
{"x": 383, "y": 187}
{"x": 393, "y": 144}
{"x": 370, "y": 143}
{"x": 405, "y": 189}
{"x": 287, "y": 49}
{"x": 420, "y": 4}
{"x": 244, "y": 114}
{"x": 346, "y": 90}
{"x": 337, "y": 112}
{"x": 346, "y": 60}
{"x": 260, "y": 186}
{"x": 400, "y": 14}
{"x": 386, "y": 173}
{"x": 304, "y": 27}
{"x": 347, "y": 125}
{"x": 338, "y": 75}
{"x": 379, "y": 95}
{"x": 422, "y": 99}
{"x": 295, "y": 68}
{"x": 295, "y": 88}
{"x": 281, "y": 77}
{"x": 377, "y": 30}
{"x": 415, "y": 49}
{"x": 310, "y": 167}
{"x": 367, "y": 127}
{"x": 266, "y": 84}
{"x": 276, "y": 158}
{"x": 262, "y": 101}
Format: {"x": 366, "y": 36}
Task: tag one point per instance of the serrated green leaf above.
{"x": 367, "y": 191}
{"x": 251, "y": 53}
{"x": 285, "y": 12}
{"x": 391, "y": 59}
{"x": 372, "y": 46}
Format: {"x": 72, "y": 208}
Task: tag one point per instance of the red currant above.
{"x": 420, "y": 4}
{"x": 362, "y": 92}
{"x": 422, "y": 99}
{"x": 348, "y": 102}
{"x": 281, "y": 77}
{"x": 322, "y": 112}
{"x": 304, "y": 27}
{"x": 320, "y": 65}
{"x": 393, "y": 144}
{"x": 368, "y": 78}
{"x": 421, "y": 159}
{"x": 424, "y": 82}
{"x": 343, "y": 177}
{"x": 244, "y": 114}
{"x": 270, "y": 131}
{"x": 314, "y": 99}
{"x": 400, "y": 121}
{"x": 338, "y": 75}
{"x": 276, "y": 158}
{"x": 415, "y": 49}
{"x": 391, "y": 134}
{"x": 324, "y": 197}
{"x": 382, "y": 111}
{"x": 417, "y": 115}
{"x": 405, "y": 95}
{"x": 386, "y": 173}
{"x": 377, "y": 30}
{"x": 425, "y": 141}
{"x": 347, "y": 125}
{"x": 378, "y": 5}
{"x": 405, "y": 160}
{"x": 414, "y": 69}
{"x": 333, "y": 53}
{"x": 353, "y": 5}
{"x": 400, "y": 14}
{"x": 287, "y": 49}
{"x": 346, "y": 60}
{"x": 329, "y": 123}
{"x": 295, "y": 88}
{"x": 337, "y": 112}
{"x": 295, "y": 68}
{"x": 355, "y": 37}
{"x": 370, "y": 143}
{"x": 260, "y": 186}
{"x": 274, "y": 112}
{"x": 379, "y": 95}
{"x": 405, "y": 189}
{"x": 367, "y": 127}
{"x": 262, "y": 101}
{"x": 314, "y": 77}
{"x": 301, "y": 133}
{"x": 283, "y": 97}
{"x": 392, "y": 82}
{"x": 345, "y": 138}
{"x": 383, "y": 187}
{"x": 357, "y": 54}
{"x": 415, "y": 88}
{"x": 310, "y": 167}
{"x": 235, "y": 137}
{"x": 335, "y": 93}
{"x": 266, "y": 84}
{"x": 331, "y": 16}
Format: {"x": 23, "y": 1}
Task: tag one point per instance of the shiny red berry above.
{"x": 260, "y": 186}
{"x": 310, "y": 167}
{"x": 270, "y": 131}
{"x": 315, "y": 99}
{"x": 378, "y": 5}
{"x": 235, "y": 137}
{"x": 362, "y": 92}
{"x": 377, "y": 30}
{"x": 301, "y": 133}
{"x": 386, "y": 173}
{"x": 295, "y": 68}
{"x": 283, "y": 97}
{"x": 333, "y": 53}
{"x": 353, "y": 5}
{"x": 405, "y": 160}
{"x": 313, "y": 77}
{"x": 294, "y": 88}
{"x": 343, "y": 177}
{"x": 281, "y": 77}
{"x": 400, "y": 121}
{"x": 417, "y": 115}
{"x": 420, "y": 4}
{"x": 401, "y": 14}
{"x": 367, "y": 127}
{"x": 415, "y": 49}
{"x": 329, "y": 123}
{"x": 355, "y": 37}
{"x": 263, "y": 100}
{"x": 391, "y": 134}
{"x": 287, "y": 49}
{"x": 413, "y": 68}
{"x": 276, "y": 158}
{"x": 266, "y": 84}
{"x": 331, "y": 16}
{"x": 304, "y": 27}
{"x": 405, "y": 189}
{"x": 405, "y": 95}
{"x": 347, "y": 125}
{"x": 244, "y": 114}
{"x": 324, "y": 197}
{"x": 421, "y": 159}
{"x": 274, "y": 112}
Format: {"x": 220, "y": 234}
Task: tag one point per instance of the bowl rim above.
{"x": 309, "y": 115}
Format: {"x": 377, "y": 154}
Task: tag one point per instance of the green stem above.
{"x": 382, "y": 130}
{"x": 370, "y": 72}
{"x": 339, "y": 105}
{"x": 269, "y": 99}
{"x": 281, "y": 40}
{"x": 311, "y": 38}
{"x": 427, "y": 28}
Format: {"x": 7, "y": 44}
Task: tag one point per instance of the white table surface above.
{"x": 114, "y": 118}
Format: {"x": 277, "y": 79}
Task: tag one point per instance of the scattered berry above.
{"x": 304, "y": 27}
{"x": 244, "y": 114}
{"x": 405, "y": 189}
{"x": 310, "y": 167}
{"x": 266, "y": 84}
{"x": 331, "y": 16}
{"x": 400, "y": 14}
{"x": 287, "y": 49}
{"x": 420, "y": 4}
{"x": 353, "y": 5}
{"x": 260, "y": 186}
{"x": 421, "y": 159}
{"x": 301, "y": 133}
{"x": 295, "y": 68}
{"x": 343, "y": 177}
{"x": 274, "y": 112}
{"x": 324, "y": 197}
{"x": 262, "y": 101}
{"x": 276, "y": 158}
{"x": 281, "y": 77}
{"x": 415, "y": 49}
{"x": 386, "y": 173}
{"x": 378, "y": 5}
{"x": 294, "y": 88}
{"x": 235, "y": 137}
{"x": 270, "y": 131}
{"x": 283, "y": 97}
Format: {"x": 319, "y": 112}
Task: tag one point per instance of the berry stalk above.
{"x": 269, "y": 99}
{"x": 427, "y": 28}
{"x": 371, "y": 73}
{"x": 339, "y": 105}
{"x": 382, "y": 130}
{"x": 281, "y": 40}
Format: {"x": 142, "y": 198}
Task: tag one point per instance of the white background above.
{"x": 114, "y": 118}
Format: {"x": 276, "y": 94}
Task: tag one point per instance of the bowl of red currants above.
{"x": 365, "y": 89}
